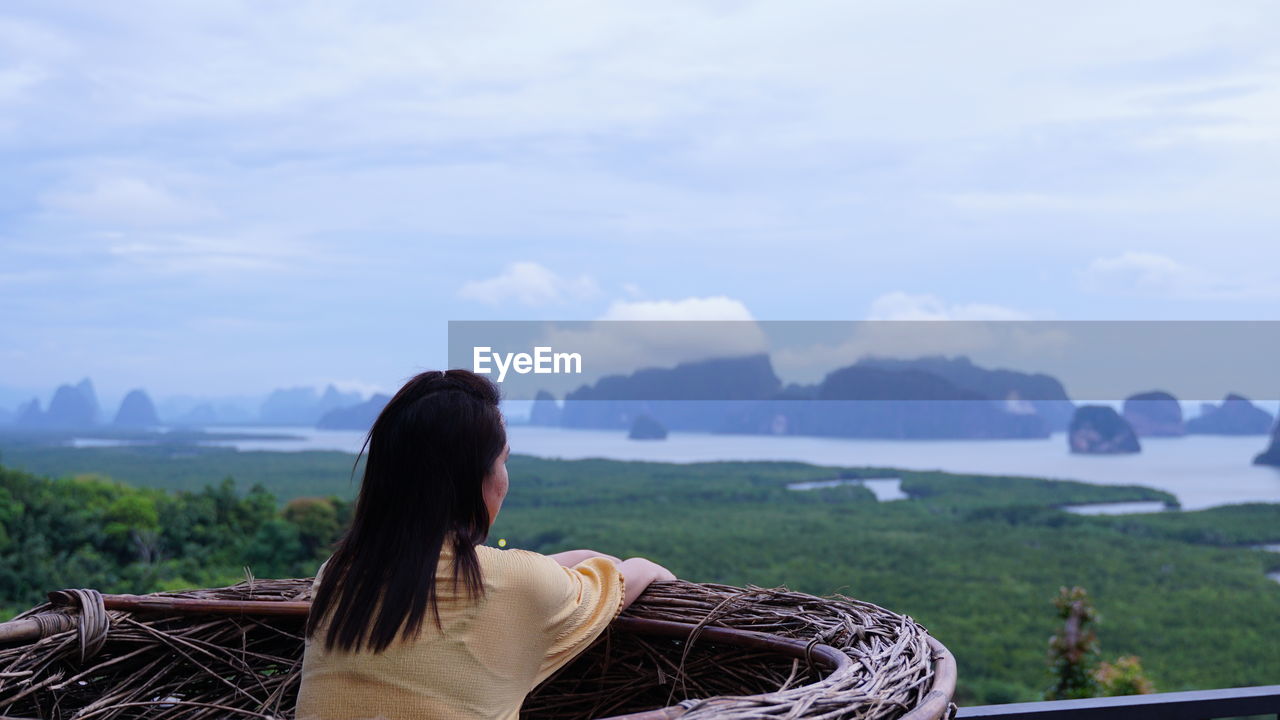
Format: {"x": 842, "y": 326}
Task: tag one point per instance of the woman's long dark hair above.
{"x": 429, "y": 452}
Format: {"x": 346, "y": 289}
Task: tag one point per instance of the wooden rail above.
{"x": 1193, "y": 705}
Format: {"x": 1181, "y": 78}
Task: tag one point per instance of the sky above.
{"x": 217, "y": 198}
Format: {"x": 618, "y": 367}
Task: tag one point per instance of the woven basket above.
{"x": 683, "y": 650}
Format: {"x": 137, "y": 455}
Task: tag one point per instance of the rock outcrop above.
{"x": 85, "y": 387}
{"x": 1154, "y": 414}
{"x": 646, "y": 428}
{"x": 354, "y": 417}
{"x": 1020, "y": 391}
{"x": 871, "y": 401}
{"x": 695, "y": 395}
{"x": 1235, "y": 416}
{"x": 1271, "y": 456}
{"x": 30, "y": 413}
{"x": 137, "y": 411}
{"x": 302, "y": 405}
{"x": 545, "y": 410}
{"x": 200, "y": 415}
{"x": 72, "y": 406}
{"x": 926, "y": 398}
{"x": 1099, "y": 430}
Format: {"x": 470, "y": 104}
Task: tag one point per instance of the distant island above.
{"x": 929, "y": 397}
{"x": 1237, "y": 415}
{"x": 137, "y": 411}
{"x": 646, "y": 428}
{"x": 72, "y": 406}
{"x": 354, "y": 417}
{"x": 1154, "y": 414}
{"x": 1099, "y": 430}
{"x": 1271, "y": 456}
{"x": 76, "y": 408}
{"x": 932, "y": 397}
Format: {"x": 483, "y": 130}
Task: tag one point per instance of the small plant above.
{"x": 1073, "y": 651}
{"x": 1074, "y": 658}
{"x": 1123, "y": 677}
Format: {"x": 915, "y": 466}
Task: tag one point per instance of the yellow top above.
{"x": 535, "y": 617}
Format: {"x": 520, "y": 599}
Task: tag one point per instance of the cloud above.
{"x": 906, "y": 325}
{"x": 15, "y": 82}
{"x": 1013, "y": 201}
{"x": 199, "y": 254}
{"x": 1155, "y": 275}
{"x": 660, "y": 333}
{"x": 529, "y": 283}
{"x": 717, "y": 307}
{"x": 128, "y": 201}
{"x": 905, "y": 306}
{"x": 793, "y": 147}
{"x": 1147, "y": 272}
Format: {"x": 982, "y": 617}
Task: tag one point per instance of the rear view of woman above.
{"x": 412, "y": 617}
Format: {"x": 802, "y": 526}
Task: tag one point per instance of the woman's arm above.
{"x": 569, "y": 558}
{"x": 637, "y": 573}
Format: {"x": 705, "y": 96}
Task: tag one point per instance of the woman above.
{"x": 412, "y": 617}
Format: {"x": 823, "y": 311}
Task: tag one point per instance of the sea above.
{"x": 1200, "y": 470}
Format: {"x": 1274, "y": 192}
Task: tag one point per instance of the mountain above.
{"x": 893, "y": 401}
{"x": 223, "y": 410}
{"x": 1271, "y": 456}
{"x": 646, "y": 428}
{"x": 137, "y": 410}
{"x": 1154, "y": 414}
{"x": 30, "y": 413}
{"x": 333, "y": 398}
{"x": 202, "y": 414}
{"x": 354, "y": 417}
{"x": 696, "y": 395}
{"x": 302, "y": 405}
{"x": 1235, "y": 416}
{"x": 932, "y": 397}
{"x": 1044, "y": 393}
{"x": 545, "y": 410}
{"x": 72, "y": 406}
{"x": 1099, "y": 430}
{"x": 85, "y": 387}
{"x": 290, "y": 406}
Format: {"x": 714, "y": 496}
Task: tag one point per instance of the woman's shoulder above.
{"x": 525, "y": 573}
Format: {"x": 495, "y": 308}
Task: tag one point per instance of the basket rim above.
{"x": 933, "y": 700}
{"x": 934, "y": 704}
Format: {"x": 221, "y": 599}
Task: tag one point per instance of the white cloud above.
{"x": 255, "y": 250}
{"x": 1146, "y": 272}
{"x": 906, "y": 325}
{"x": 1156, "y": 275}
{"x": 1014, "y": 201}
{"x": 906, "y": 306}
{"x": 529, "y": 283}
{"x": 127, "y": 201}
{"x": 658, "y": 333}
{"x": 717, "y": 307}
{"x": 16, "y": 81}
